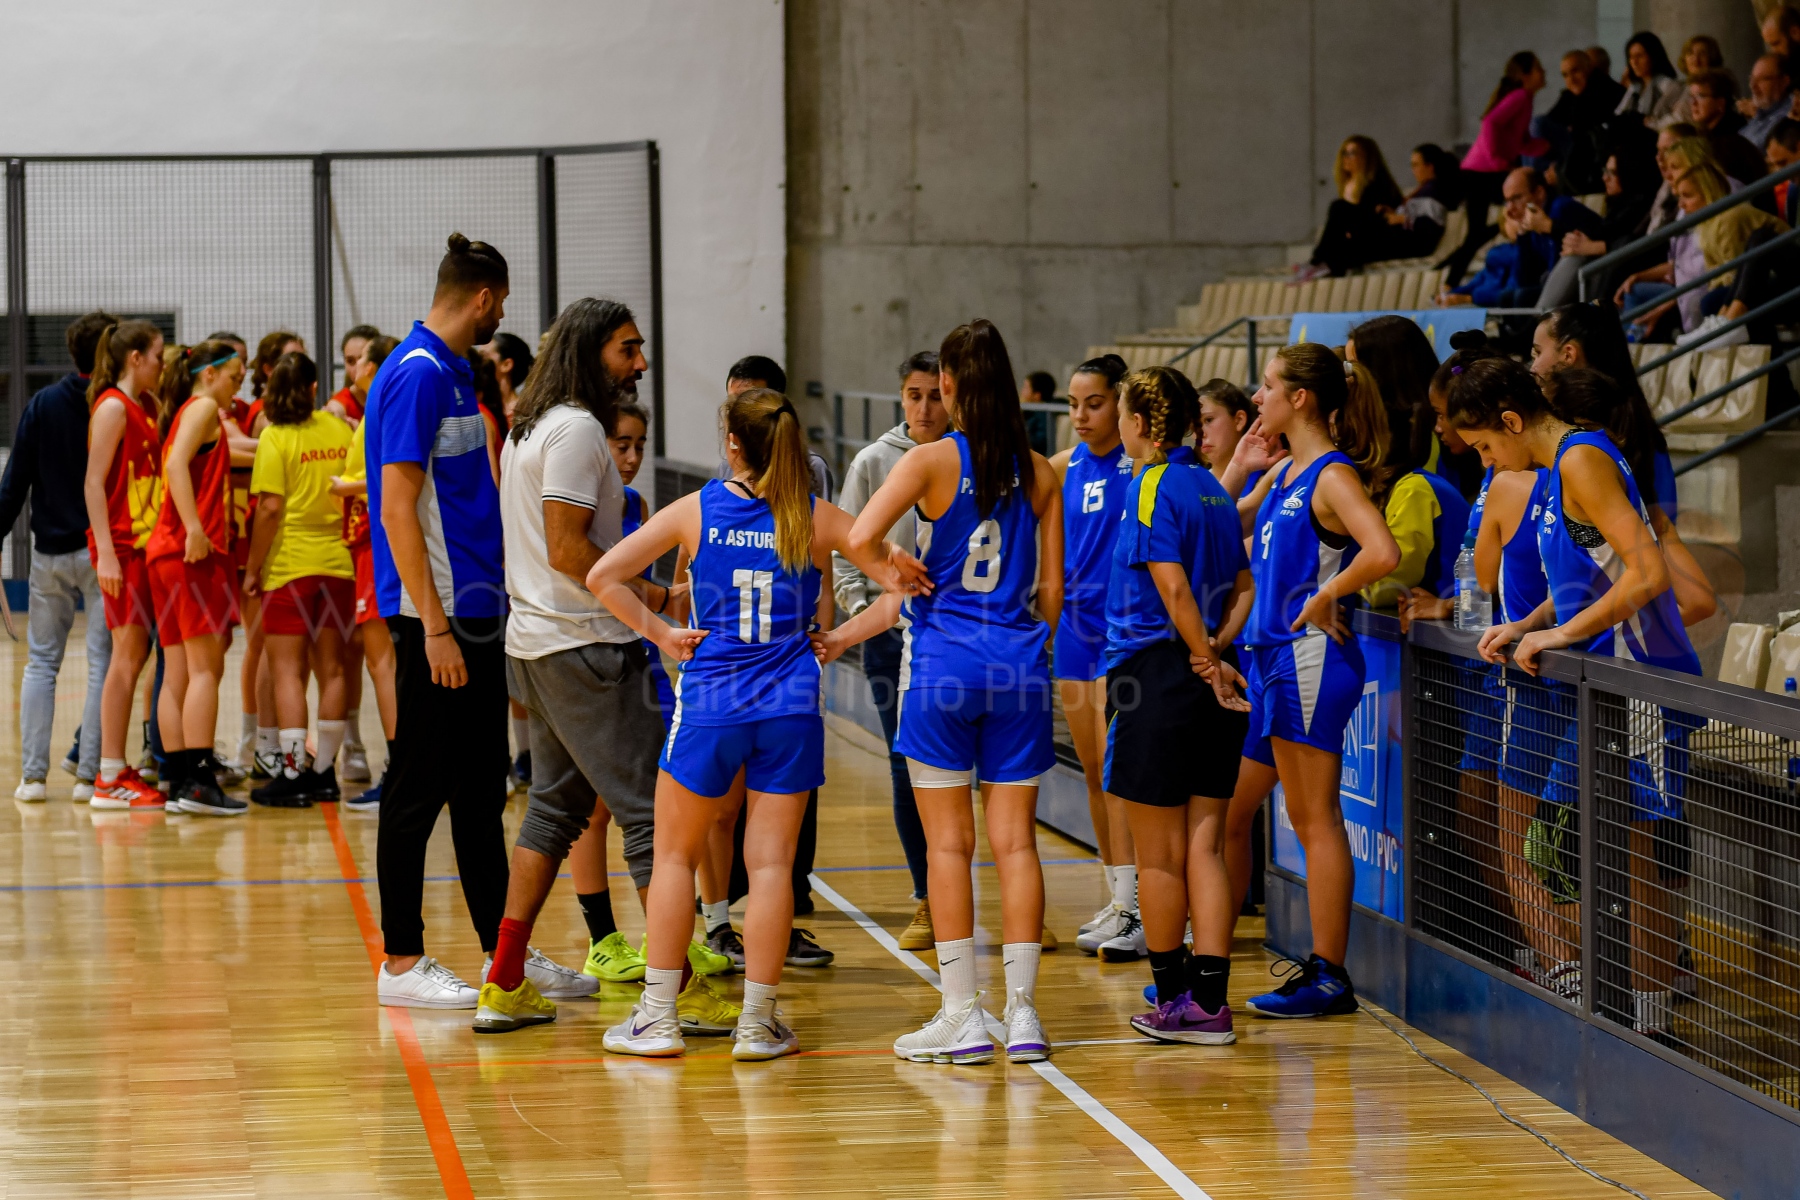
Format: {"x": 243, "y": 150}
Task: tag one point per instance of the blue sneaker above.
{"x": 1313, "y": 988}
{"x": 1150, "y": 994}
{"x": 369, "y": 800}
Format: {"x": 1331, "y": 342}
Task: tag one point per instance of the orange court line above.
{"x": 412, "y": 1055}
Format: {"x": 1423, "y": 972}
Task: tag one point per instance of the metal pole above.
{"x": 653, "y": 162}
{"x": 323, "y": 347}
{"x": 546, "y": 198}
{"x": 17, "y": 346}
{"x": 1254, "y": 368}
{"x": 837, "y": 430}
{"x": 1585, "y": 726}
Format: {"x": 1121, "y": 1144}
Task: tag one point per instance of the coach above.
{"x": 439, "y": 584}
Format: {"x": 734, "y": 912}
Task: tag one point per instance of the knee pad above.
{"x": 925, "y": 776}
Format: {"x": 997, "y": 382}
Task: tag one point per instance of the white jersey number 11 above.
{"x": 756, "y": 597}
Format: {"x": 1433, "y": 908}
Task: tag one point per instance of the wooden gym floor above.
{"x": 193, "y": 1015}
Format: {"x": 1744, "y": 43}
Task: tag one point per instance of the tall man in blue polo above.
{"x": 440, "y": 584}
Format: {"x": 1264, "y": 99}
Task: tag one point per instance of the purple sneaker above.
{"x": 1181, "y": 1020}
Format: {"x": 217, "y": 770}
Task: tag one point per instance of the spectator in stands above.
{"x": 1771, "y": 99}
{"x": 1782, "y": 152}
{"x": 1699, "y": 54}
{"x": 1505, "y": 136}
{"x": 1600, "y": 64}
{"x": 1711, "y": 95}
{"x": 1577, "y": 127}
{"x": 1630, "y": 181}
{"x": 1534, "y": 228}
{"x": 1040, "y": 388}
{"x": 1733, "y": 232}
{"x": 1781, "y": 34}
{"x": 1417, "y": 226}
{"x": 1355, "y": 232}
{"x": 1651, "y": 89}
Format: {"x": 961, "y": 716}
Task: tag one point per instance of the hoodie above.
{"x": 868, "y": 471}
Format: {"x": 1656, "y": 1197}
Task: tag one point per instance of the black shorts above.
{"x": 1167, "y": 738}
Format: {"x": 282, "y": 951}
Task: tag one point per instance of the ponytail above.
{"x": 182, "y": 368}
{"x": 1350, "y": 406}
{"x": 987, "y": 413}
{"x": 1109, "y": 367}
{"x": 1489, "y": 387}
{"x": 116, "y": 342}
{"x": 768, "y": 431}
{"x": 1167, "y": 401}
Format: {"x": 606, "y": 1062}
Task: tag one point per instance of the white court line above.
{"x": 1077, "y": 1095}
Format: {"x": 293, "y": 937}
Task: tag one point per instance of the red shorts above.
{"x": 134, "y": 604}
{"x": 308, "y": 606}
{"x": 193, "y": 599}
{"x": 366, "y": 607}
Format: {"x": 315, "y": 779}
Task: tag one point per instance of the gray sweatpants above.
{"x": 595, "y": 728}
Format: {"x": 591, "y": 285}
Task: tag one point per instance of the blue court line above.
{"x": 145, "y": 885}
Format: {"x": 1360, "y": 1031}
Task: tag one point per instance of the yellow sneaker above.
{"x": 612, "y": 959}
{"x": 704, "y": 1011}
{"x": 499, "y": 1011}
{"x": 919, "y": 935}
{"x": 708, "y": 962}
{"x": 1047, "y": 942}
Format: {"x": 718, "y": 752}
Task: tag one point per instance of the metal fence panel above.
{"x": 603, "y": 207}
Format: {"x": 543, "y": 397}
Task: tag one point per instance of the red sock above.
{"x": 509, "y": 956}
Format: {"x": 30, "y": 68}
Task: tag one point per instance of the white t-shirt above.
{"x": 564, "y": 457}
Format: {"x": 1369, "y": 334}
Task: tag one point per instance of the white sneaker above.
{"x": 1736, "y": 337}
{"x": 1025, "y": 1039}
{"x": 1650, "y": 1011}
{"x": 1106, "y": 925}
{"x": 82, "y": 792}
{"x": 552, "y": 980}
{"x": 639, "y": 1035}
{"x": 269, "y": 762}
{"x": 30, "y": 790}
{"x": 1565, "y": 980}
{"x": 759, "y": 1040}
{"x": 1128, "y": 945}
{"x": 429, "y": 984}
{"x": 354, "y": 762}
{"x": 950, "y": 1037}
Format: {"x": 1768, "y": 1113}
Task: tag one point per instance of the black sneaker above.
{"x": 324, "y": 784}
{"x": 286, "y": 791}
{"x": 725, "y": 940}
{"x": 226, "y": 775}
{"x": 803, "y": 951}
{"x": 203, "y": 797}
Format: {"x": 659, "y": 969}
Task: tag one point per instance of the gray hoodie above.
{"x": 867, "y": 472}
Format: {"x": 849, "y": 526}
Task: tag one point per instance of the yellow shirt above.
{"x": 1412, "y": 511}
{"x": 358, "y": 467}
{"x": 296, "y": 462}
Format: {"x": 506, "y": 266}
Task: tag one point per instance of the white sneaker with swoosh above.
{"x": 646, "y": 1036}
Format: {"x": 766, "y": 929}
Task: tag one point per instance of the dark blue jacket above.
{"x": 48, "y": 464}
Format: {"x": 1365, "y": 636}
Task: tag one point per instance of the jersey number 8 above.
{"x": 756, "y": 597}
{"x": 984, "y": 550}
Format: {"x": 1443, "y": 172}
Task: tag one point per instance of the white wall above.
{"x": 703, "y": 78}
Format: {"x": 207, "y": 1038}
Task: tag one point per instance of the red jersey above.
{"x": 352, "y": 406}
{"x": 134, "y": 481}
{"x": 245, "y": 417}
{"x": 210, "y": 473}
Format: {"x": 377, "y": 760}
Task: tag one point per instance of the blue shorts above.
{"x": 1080, "y": 651}
{"x": 1481, "y": 697}
{"x": 1303, "y": 691}
{"x": 779, "y": 755}
{"x": 1003, "y": 736}
{"x": 1649, "y": 772}
{"x": 665, "y": 691}
{"x": 1540, "y": 728}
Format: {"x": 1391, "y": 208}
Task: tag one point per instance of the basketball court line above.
{"x": 412, "y": 1056}
{"x": 1077, "y": 1095}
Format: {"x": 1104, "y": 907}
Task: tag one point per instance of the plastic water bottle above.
{"x": 1474, "y": 607}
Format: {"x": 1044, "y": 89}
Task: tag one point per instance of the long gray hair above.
{"x": 569, "y": 369}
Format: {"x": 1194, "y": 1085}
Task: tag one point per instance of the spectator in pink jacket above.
{"x": 1505, "y": 136}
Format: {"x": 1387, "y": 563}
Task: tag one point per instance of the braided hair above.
{"x": 1167, "y": 401}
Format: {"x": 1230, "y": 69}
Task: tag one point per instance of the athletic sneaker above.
{"x": 368, "y": 800}
{"x": 31, "y": 791}
{"x": 704, "y": 1010}
{"x": 429, "y": 984}
{"x": 803, "y": 951}
{"x": 919, "y": 935}
{"x": 1150, "y": 994}
{"x": 1313, "y": 988}
{"x": 1107, "y": 924}
{"x": 83, "y": 791}
{"x": 224, "y": 774}
{"x": 146, "y": 767}
{"x": 501, "y": 1011}
{"x": 639, "y": 1035}
{"x": 758, "y": 1041}
{"x": 324, "y": 784}
{"x": 72, "y": 760}
{"x": 1565, "y": 980}
{"x": 205, "y": 798}
{"x": 1182, "y": 1020}
{"x": 1128, "y": 944}
{"x": 264, "y": 764}
{"x": 950, "y": 1037}
{"x": 612, "y": 959}
{"x": 355, "y": 762}
{"x": 1025, "y": 1039}
{"x": 725, "y": 940}
{"x": 127, "y": 790}
{"x": 1047, "y": 940}
{"x": 700, "y": 959}
{"x": 552, "y": 980}
{"x": 521, "y": 771}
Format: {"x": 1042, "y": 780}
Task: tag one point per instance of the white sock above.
{"x": 110, "y": 768}
{"x": 660, "y": 990}
{"x": 1125, "y": 888}
{"x": 247, "y": 726}
{"x": 292, "y": 745}
{"x": 521, "y": 734}
{"x": 759, "y": 1001}
{"x": 1108, "y": 873}
{"x": 956, "y": 967}
{"x": 330, "y": 737}
{"x": 1021, "y": 959}
{"x": 353, "y": 728}
{"x": 715, "y": 915}
{"x": 268, "y": 738}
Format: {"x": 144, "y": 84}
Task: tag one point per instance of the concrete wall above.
{"x": 702, "y": 78}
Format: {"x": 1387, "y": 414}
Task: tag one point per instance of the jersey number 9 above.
{"x": 981, "y": 569}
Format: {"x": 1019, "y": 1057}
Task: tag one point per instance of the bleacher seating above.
{"x": 1217, "y": 361}
{"x": 1696, "y": 373}
{"x": 1222, "y": 303}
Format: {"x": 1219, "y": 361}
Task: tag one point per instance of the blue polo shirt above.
{"x": 421, "y": 409}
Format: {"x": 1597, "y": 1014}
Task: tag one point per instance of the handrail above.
{"x": 1690, "y": 347}
{"x": 1631, "y": 314}
{"x": 1663, "y": 234}
{"x": 1727, "y": 446}
{"x": 1718, "y": 393}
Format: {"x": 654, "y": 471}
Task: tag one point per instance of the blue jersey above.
{"x": 1093, "y": 497}
{"x": 1480, "y": 506}
{"x": 1289, "y": 555}
{"x": 976, "y": 627}
{"x": 1174, "y": 512}
{"x": 1522, "y": 583}
{"x": 755, "y": 661}
{"x": 1663, "y": 484}
{"x": 1580, "y": 566}
{"x": 632, "y": 522}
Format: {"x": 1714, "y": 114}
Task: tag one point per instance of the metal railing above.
{"x": 1620, "y": 839}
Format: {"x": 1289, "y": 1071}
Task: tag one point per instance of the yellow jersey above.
{"x": 296, "y": 462}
